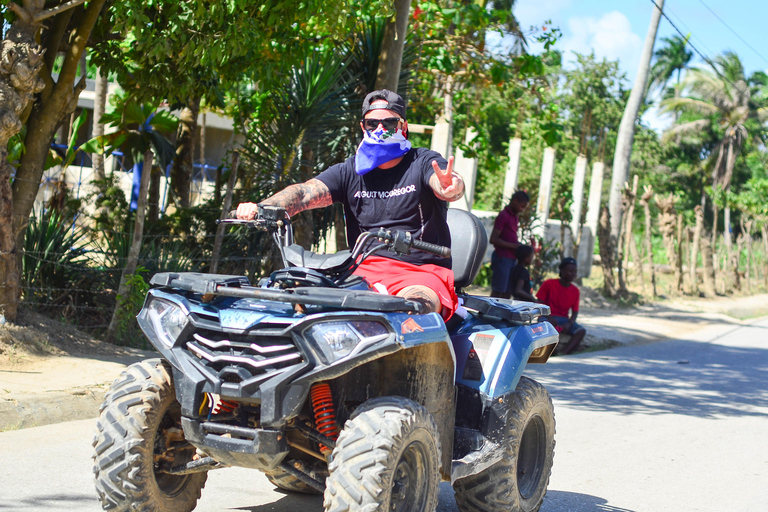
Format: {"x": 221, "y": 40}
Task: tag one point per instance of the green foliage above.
{"x": 176, "y": 50}
{"x": 127, "y": 332}
{"x": 546, "y": 258}
{"x": 54, "y": 256}
{"x": 484, "y": 276}
{"x": 672, "y": 57}
{"x": 139, "y": 127}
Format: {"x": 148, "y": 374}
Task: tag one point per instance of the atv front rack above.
{"x": 239, "y": 286}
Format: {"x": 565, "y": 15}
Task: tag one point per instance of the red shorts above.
{"x": 396, "y": 275}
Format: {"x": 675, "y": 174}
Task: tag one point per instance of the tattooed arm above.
{"x": 294, "y": 198}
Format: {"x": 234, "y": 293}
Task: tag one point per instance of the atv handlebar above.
{"x": 402, "y": 241}
{"x": 275, "y": 219}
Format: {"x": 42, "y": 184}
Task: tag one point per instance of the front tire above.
{"x": 140, "y": 422}
{"x": 387, "y": 458}
{"x": 518, "y": 482}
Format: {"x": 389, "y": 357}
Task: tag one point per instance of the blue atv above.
{"x": 328, "y": 387}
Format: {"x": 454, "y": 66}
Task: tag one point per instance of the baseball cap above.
{"x": 568, "y": 261}
{"x": 395, "y": 102}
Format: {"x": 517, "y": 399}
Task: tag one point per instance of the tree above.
{"x": 391, "y": 56}
{"x": 24, "y": 60}
{"x": 719, "y": 101}
{"x": 623, "y": 153}
{"x": 158, "y": 50}
{"x": 671, "y": 58}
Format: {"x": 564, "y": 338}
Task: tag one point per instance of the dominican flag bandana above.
{"x": 379, "y": 147}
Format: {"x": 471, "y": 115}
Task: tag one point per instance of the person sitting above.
{"x": 562, "y": 297}
{"x": 504, "y": 240}
{"x": 388, "y": 184}
{"x": 520, "y": 278}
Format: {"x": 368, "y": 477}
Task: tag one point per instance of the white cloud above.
{"x": 610, "y": 37}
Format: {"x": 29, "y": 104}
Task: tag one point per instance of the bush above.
{"x": 127, "y": 331}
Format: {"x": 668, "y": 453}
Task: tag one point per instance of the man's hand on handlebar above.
{"x": 247, "y": 211}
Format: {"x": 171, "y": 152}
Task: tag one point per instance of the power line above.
{"x": 680, "y": 20}
{"x": 732, "y": 30}
{"x": 693, "y": 47}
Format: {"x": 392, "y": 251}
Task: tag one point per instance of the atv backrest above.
{"x": 468, "y": 243}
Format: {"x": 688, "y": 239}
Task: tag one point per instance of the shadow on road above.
{"x": 45, "y": 502}
{"x": 560, "y": 501}
{"x": 681, "y": 377}
{"x": 290, "y": 502}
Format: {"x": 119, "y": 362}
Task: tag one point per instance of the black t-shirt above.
{"x": 399, "y": 198}
{"x": 520, "y": 272}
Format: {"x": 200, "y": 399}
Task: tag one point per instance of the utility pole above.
{"x": 626, "y": 135}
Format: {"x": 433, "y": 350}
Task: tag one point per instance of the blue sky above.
{"x": 616, "y": 29}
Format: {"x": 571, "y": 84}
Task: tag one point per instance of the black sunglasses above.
{"x": 389, "y": 124}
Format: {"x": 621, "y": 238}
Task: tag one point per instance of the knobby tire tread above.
{"x": 125, "y": 432}
{"x": 368, "y": 448}
{"x": 495, "y": 488}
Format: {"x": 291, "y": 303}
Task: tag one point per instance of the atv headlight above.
{"x": 168, "y": 319}
{"x": 338, "y": 339}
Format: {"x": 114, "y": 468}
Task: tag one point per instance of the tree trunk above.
{"x": 132, "y": 261}
{"x": 764, "y": 232}
{"x": 679, "y": 266}
{"x": 735, "y": 259}
{"x": 391, "y": 54}
{"x": 746, "y": 228}
{"x": 22, "y": 62}
{"x": 695, "y": 250}
{"x": 727, "y": 228}
{"x": 638, "y": 261}
{"x": 628, "y": 206}
{"x": 202, "y": 139}
{"x": 22, "y": 58}
{"x": 182, "y": 169}
{"x": 99, "y": 108}
{"x": 606, "y": 252}
{"x": 667, "y": 225}
{"x": 225, "y": 211}
{"x": 709, "y": 269}
{"x": 626, "y": 134}
{"x": 645, "y": 201}
{"x": 153, "y": 201}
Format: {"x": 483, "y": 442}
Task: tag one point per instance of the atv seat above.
{"x": 469, "y": 241}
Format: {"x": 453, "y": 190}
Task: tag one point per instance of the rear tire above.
{"x": 518, "y": 482}
{"x": 386, "y": 459}
{"x": 138, "y": 410}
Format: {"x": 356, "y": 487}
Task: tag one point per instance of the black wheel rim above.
{"x": 530, "y": 458}
{"x": 170, "y": 485}
{"x": 410, "y": 480}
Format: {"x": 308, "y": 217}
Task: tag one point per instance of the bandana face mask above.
{"x": 378, "y": 147}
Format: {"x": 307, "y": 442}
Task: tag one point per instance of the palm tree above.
{"x": 671, "y": 58}
{"x": 724, "y": 102}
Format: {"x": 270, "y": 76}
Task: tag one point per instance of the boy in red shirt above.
{"x": 562, "y": 297}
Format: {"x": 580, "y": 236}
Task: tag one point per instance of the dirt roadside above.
{"x": 51, "y": 372}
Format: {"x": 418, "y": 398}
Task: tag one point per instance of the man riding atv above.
{"x": 325, "y": 386}
{"x": 388, "y": 184}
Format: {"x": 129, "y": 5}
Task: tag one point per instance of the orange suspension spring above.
{"x": 325, "y": 414}
{"x": 222, "y": 405}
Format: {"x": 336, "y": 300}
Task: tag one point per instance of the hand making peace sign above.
{"x": 448, "y": 186}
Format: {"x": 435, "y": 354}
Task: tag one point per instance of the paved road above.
{"x": 677, "y": 425}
